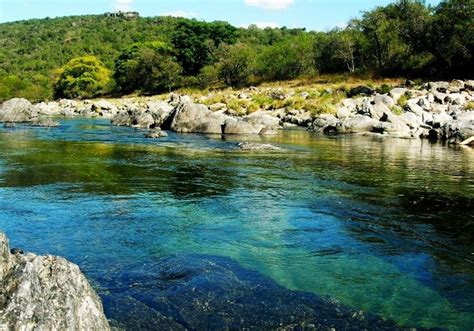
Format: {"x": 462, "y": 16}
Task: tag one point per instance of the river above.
{"x": 380, "y": 225}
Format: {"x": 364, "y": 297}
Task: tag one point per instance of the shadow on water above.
{"x": 380, "y": 225}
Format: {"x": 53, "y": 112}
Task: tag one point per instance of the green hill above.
{"x": 403, "y": 38}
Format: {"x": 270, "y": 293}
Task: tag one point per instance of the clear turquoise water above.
{"x": 384, "y": 226}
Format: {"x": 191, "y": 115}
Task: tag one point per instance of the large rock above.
{"x": 232, "y": 126}
{"x": 414, "y": 107}
{"x": 49, "y": 109}
{"x": 17, "y": 110}
{"x": 410, "y": 119}
{"x": 325, "y": 123}
{"x": 45, "y": 293}
{"x": 398, "y": 92}
{"x": 144, "y": 120}
{"x": 154, "y": 115}
{"x": 356, "y": 124}
{"x": 361, "y": 90}
{"x": 100, "y": 107}
{"x": 196, "y": 118}
{"x": 160, "y": 110}
{"x": 376, "y": 111}
{"x": 456, "y": 131}
{"x": 384, "y": 99}
{"x": 263, "y": 118}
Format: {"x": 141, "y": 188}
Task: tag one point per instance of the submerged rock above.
{"x": 200, "y": 292}
{"x": 45, "y": 293}
{"x": 258, "y": 147}
{"x": 45, "y": 122}
{"x": 156, "y": 133}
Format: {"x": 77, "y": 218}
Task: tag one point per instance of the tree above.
{"x": 338, "y": 50}
{"x": 236, "y": 64}
{"x": 149, "y": 67}
{"x": 287, "y": 59}
{"x": 195, "y": 42}
{"x": 453, "y": 37}
{"x": 82, "y": 77}
{"x": 396, "y": 36}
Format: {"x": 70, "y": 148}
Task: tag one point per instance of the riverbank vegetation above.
{"x": 88, "y": 56}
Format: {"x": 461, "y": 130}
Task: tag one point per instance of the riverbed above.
{"x": 380, "y": 225}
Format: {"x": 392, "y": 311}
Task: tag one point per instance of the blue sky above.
{"x": 311, "y": 14}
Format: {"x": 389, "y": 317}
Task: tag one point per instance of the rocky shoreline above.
{"x": 45, "y": 293}
{"x": 436, "y": 111}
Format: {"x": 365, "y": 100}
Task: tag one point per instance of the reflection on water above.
{"x": 380, "y": 225}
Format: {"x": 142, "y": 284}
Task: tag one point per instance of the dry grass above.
{"x": 321, "y": 94}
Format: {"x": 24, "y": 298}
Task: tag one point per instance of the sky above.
{"x": 310, "y": 14}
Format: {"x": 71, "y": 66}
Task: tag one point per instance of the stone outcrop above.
{"x": 437, "y": 110}
{"x": 17, "y": 111}
{"x": 45, "y": 293}
{"x": 189, "y": 117}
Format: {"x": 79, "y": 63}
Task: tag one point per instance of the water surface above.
{"x": 384, "y": 226}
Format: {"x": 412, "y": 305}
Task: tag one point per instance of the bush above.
{"x": 82, "y": 77}
{"x": 402, "y": 101}
{"x": 469, "y": 106}
{"x": 147, "y": 67}
{"x": 397, "y": 110}
{"x": 208, "y": 77}
{"x": 288, "y": 59}
{"x": 236, "y": 64}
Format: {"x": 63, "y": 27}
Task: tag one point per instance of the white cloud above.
{"x": 123, "y": 5}
{"x": 180, "y": 13}
{"x": 270, "y": 4}
{"x": 262, "y": 25}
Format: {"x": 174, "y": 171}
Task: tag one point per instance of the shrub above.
{"x": 236, "y": 64}
{"x": 469, "y": 106}
{"x": 402, "y": 101}
{"x": 384, "y": 89}
{"x": 208, "y": 77}
{"x": 148, "y": 67}
{"x": 82, "y": 77}
{"x": 397, "y": 110}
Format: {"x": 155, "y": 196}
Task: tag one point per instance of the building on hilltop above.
{"x": 121, "y": 14}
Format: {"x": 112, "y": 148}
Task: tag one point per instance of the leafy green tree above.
{"x": 453, "y": 37}
{"x": 148, "y": 67}
{"x": 208, "y": 76}
{"x": 236, "y": 64}
{"x": 287, "y": 59}
{"x": 195, "y": 42}
{"x": 396, "y": 36}
{"x": 82, "y": 77}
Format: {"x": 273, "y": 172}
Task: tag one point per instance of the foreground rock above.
{"x": 200, "y": 292}
{"x": 45, "y": 293}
